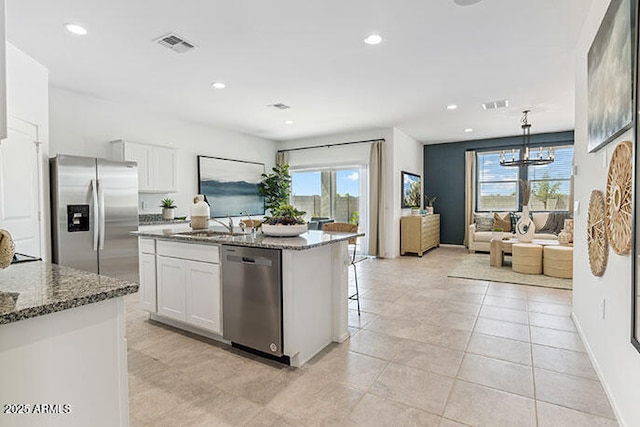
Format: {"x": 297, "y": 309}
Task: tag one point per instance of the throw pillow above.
{"x": 503, "y": 222}
{"x": 484, "y": 221}
{"x": 554, "y": 223}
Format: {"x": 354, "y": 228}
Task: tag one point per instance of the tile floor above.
{"x": 428, "y": 350}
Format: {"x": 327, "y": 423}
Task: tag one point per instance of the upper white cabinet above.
{"x": 3, "y": 75}
{"x": 156, "y": 165}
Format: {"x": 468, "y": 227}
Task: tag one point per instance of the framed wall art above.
{"x": 411, "y": 190}
{"x": 610, "y": 69}
{"x": 230, "y": 186}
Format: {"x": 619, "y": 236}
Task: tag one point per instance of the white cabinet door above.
{"x": 204, "y": 296}
{"x": 171, "y": 287}
{"x": 147, "y": 263}
{"x": 20, "y": 187}
{"x": 143, "y": 155}
{"x": 164, "y": 167}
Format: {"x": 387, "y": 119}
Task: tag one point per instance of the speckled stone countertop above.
{"x": 308, "y": 240}
{"x": 32, "y": 289}
{"x": 156, "y": 219}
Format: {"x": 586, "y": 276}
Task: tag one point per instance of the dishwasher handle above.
{"x": 262, "y": 261}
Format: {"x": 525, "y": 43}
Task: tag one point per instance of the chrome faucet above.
{"x": 228, "y": 226}
{"x": 243, "y": 225}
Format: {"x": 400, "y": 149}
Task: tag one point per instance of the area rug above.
{"x": 476, "y": 266}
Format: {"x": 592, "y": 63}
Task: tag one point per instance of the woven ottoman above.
{"x": 558, "y": 261}
{"x": 526, "y": 258}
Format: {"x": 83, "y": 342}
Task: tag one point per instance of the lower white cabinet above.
{"x": 147, "y": 289}
{"x": 188, "y": 284}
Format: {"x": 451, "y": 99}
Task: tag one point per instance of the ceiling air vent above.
{"x": 492, "y": 105}
{"x": 175, "y": 43}
{"x": 279, "y": 106}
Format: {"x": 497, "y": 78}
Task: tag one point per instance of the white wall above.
{"x": 608, "y": 339}
{"x": 84, "y": 125}
{"x": 402, "y": 153}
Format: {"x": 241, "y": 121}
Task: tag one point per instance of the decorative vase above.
{"x": 200, "y": 213}
{"x": 525, "y": 228}
{"x": 415, "y": 211}
{"x": 167, "y": 213}
{"x": 430, "y": 210}
{"x": 568, "y": 227}
{"x": 564, "y": 237}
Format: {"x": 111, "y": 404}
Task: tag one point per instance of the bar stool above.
{"x": 346, "y": 227}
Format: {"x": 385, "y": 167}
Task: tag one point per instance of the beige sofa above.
{"x": 479, "y": 240}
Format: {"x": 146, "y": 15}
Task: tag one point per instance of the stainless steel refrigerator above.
{"x": 94, "y": 208}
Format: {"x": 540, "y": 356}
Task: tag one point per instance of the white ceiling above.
{"x": 309, "y": 54}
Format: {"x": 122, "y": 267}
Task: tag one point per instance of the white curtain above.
{"x": 282, "y": 158}
{"x": 469, "y": 192}
{"x": 376, "y": 198}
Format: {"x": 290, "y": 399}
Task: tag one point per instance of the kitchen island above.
{"x": 181, "y": 284}
{"x": 62, "y": 347}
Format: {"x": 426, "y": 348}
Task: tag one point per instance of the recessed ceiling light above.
{"x": 452, "y": 107}
{"x": 467, "y": 130}
{"x": 76, "y": 29}
{"x": 218, "y": 85}
{"x": 373, "y": 39}
{"x": 288, "y": 122}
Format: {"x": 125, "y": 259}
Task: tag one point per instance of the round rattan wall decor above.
{"x": 597, "y": 234}
{"x": 619, "y": 198}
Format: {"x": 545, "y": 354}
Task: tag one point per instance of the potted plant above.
{"x": 167, "y": 208}
{"x": 428, "y": 203}
{"x": 285, "y": 219}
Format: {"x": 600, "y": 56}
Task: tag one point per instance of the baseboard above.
{"x": 596, "y": 367}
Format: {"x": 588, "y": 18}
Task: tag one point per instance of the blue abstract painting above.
{"x": 230, "y": 186}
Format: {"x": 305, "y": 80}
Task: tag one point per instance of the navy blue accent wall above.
{"x": 444, "y": 175}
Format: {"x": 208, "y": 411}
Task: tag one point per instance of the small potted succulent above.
{"x": 168, "y": 208}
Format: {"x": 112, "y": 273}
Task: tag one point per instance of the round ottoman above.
{"x": 526, "y": 258}
{"x": 558, "y": 261}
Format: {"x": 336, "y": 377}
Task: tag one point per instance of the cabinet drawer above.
{"x": 190, "y": 251}
{"x": 147, "y": 246}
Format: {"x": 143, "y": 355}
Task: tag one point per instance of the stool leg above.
{"x": 355, "y": 296}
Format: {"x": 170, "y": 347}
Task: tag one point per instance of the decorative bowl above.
{"x": 280, "y": 230}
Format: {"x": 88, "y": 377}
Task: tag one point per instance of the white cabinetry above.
{"x": 3, "y": 75}
{"x": 188, "y": 279}
{"x": 156, "y": 165}
{"x": 147, "y": 265}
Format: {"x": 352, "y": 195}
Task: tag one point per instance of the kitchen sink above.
{"x": 209, "y": 233}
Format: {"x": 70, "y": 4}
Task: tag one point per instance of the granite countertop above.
{"x": 308, "y": 240}
{"x": 156, "y": 219}
{"x": 32, "y": 289}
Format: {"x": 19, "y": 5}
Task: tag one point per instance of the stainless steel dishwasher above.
{"x": 252, "y": 298}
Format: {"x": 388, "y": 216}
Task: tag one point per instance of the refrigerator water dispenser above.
{"x": 77, "y": 218}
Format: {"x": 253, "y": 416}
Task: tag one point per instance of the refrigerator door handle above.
{"x": 94, "y": 196}
{"x": 101, "y": 214}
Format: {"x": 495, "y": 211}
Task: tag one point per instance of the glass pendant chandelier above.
{"x": 528, "y": 156}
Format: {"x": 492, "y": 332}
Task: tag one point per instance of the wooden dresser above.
{"x": 419, "y": 233}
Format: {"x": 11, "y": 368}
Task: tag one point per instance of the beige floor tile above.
{"x": 353, "y": 369}
{"x": 442, "y": 336}
{"x": 504, "y": 314}
{"x": 556, "y": 416}
{"x": 512, "y": 303}
{"x": 371, "y": 306}
{"x": 395, "y": 326}
{"x": 429, "y": 357}
{"x": 266, "y": 418}
{"x": 374, "y": 411}
{"x": 450, "y": 319}
{"x": 502, "y": 329}
{"x": 477, "y": 405}
{"x": 498, "y": 374}
{"x": 549, "y": 295}
{"x": 563, "y": 323}
{"x": 572, "y": 392}
{"x": 500, "y": 348}
{"x": 556, "y": 338}
{"x": 375, "y": 344}
{"x": 413, "y": 387}
{"x": 507, "y": 290}
{"x": 444, "y": 422}
{"x": 360, "y": 321}
{"x": 565, "y": 361}
{"x": 331, "y": 406}
{"x": 549, "y": 308}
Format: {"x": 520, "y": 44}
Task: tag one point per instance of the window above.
{"x": 497, "y": 186}
{"x": 551, "y": 184}
{"x": 331, "y": 193}
{"x": 498, "y": 189}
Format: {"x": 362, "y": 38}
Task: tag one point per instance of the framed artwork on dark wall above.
{"x": 230, "y": 186}
{"x": 411, "y": 190}
{"x": 610, "y": 75}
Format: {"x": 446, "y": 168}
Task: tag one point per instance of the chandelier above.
{"x": 528, "y": 156}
